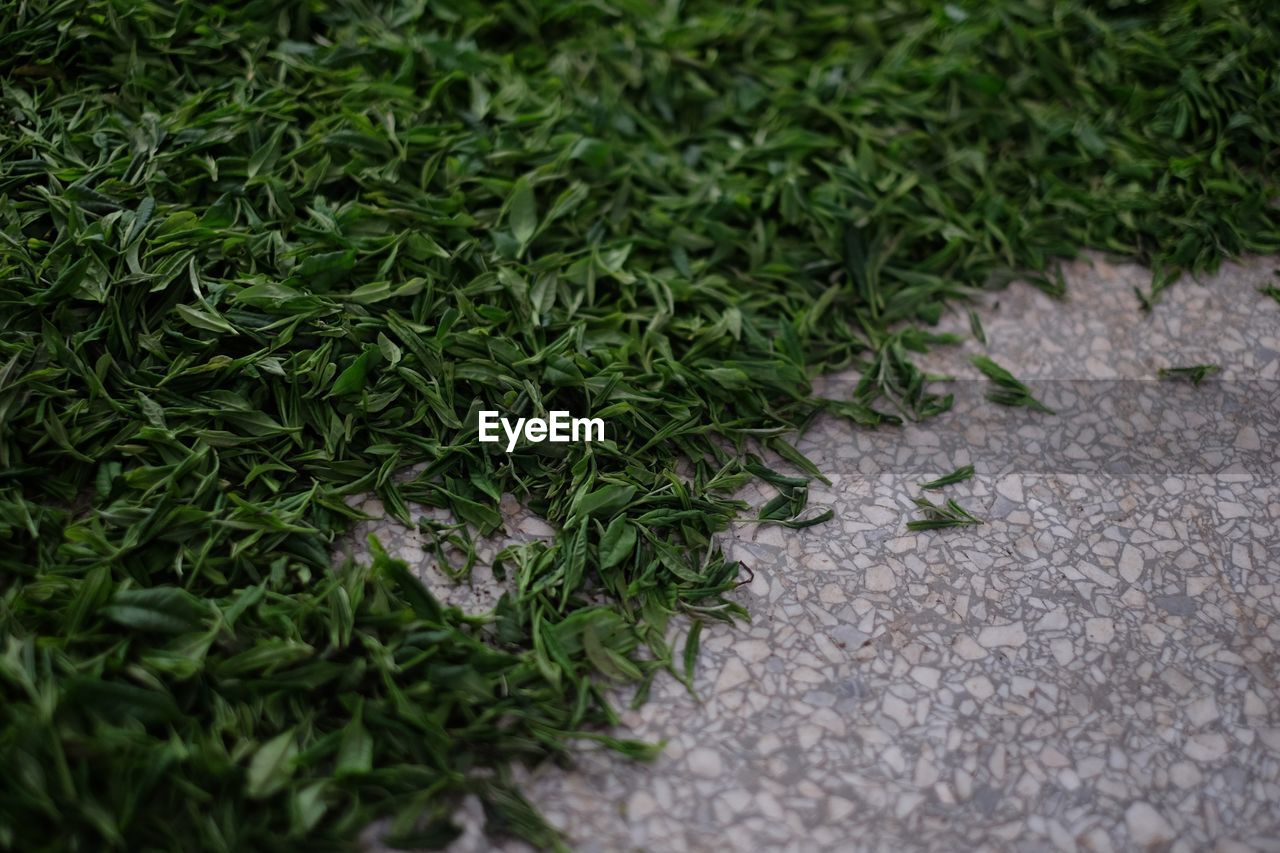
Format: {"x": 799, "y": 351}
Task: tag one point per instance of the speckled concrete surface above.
{"x": 1093, "y": 668}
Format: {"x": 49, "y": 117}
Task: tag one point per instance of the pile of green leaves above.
{"x": 256, "y": 258}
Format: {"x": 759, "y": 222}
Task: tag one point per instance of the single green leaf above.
{"x": 167, "y": 610}
{"x": 964, "y": 472}
{"x": 522, "y": 211}
{"x": 352, "y": 380}
{"x": 605, "y": 501}
{"x": 617, "y": 543}
{"x": 272, "y": 766}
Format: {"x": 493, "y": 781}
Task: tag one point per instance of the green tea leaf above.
{"x": 272, "y": 766}
{"x": 353, "y": 379}
{"x": 522, "y": 211}
{"x": 1007, "y": 390}
{"x": 617, "y": 543}
{"x": 605, "y": 501}
{"x": 1194, "y": 374}
{"x": 163, "y": 609}
{"x": 355, "y": 751}
{"x": 964, "y": 472}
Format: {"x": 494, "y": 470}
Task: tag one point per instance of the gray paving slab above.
{"x": 1092, "y": 668}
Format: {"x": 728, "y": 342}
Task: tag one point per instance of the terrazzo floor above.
{"x": 1094, "y": 668}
